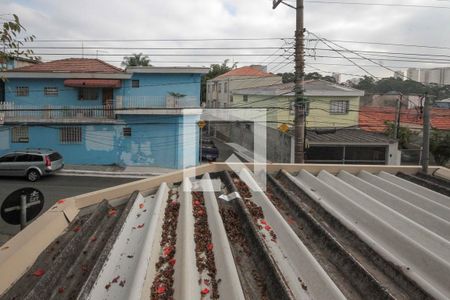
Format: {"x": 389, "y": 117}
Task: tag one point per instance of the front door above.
{"x": 108, "y": 101}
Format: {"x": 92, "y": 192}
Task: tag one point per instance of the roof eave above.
{"x": 65, "y": 75}
{"x": 167, "y": 70}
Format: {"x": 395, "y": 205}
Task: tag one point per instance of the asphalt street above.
{"x": 53, "y": 188}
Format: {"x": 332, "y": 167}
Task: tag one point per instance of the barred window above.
{"x": 22, "y": 91}
{"x": 51, "y": 91}
{"x": 19, "y": 134}
{"x": 339, "y": 106}
{"x": 245, "y": 98}
{"x": 88, "y": 94}
{"x": 126, "y": 131}
{"x": 70, "y": 135}
{"x": 134, "y": 83}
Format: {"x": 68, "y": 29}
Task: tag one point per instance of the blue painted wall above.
{"x": 66, "y": 95}
{"x": 155, "y": 141}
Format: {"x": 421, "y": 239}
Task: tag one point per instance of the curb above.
{"x": 107, "y": 173}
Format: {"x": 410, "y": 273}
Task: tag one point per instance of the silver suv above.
{"x": 31, "y": 163}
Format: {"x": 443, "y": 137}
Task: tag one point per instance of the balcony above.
{"x": 154, "y": 105}
{"x": 56, "y": 113}
{"x": 128, "y": 105}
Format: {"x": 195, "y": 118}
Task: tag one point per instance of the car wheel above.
{"x": 33, "y": 175}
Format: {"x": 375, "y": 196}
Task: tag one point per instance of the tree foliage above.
{"x": 440, "y": 146}
{"x": 290, "y": 77}
{"x": 404, "y": 134}
{"x": 136, "y": 59}
{"x": 406, "y": 87}
{"x": 214, "y": 71}
{"x": 12, "y": 41}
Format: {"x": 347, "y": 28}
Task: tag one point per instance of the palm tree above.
{"x": 136, "y": 60}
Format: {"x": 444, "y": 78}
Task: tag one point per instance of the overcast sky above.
{"x": 204, "y": 19}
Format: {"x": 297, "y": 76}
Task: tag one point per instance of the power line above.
{"x": 377, "y": 4}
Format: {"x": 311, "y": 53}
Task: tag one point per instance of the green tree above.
{"x": 12, "y": 41}
{"x": 136, "y": 59}
{"x": 290, "y": 77}
{"x": 404, "y": 134}
{"x": 367, "y": 84}
{"x": 440, "y": 146}
{"x": 214, "y": 71}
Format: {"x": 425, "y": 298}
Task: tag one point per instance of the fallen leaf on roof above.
{"x": 267, "y": 227}
{"x": 264, "y": 222}
{"x": 167, "y": 250}
{"x": 122, "y": 283}
{"x": 60, "y": 201}
{"x": 140, "y": 226}
{"x": 77, "y": 228}
{"x": 172, "y": 261}
{"x": 196, "y": 202}
{"x": 161, "y": 289}
{"x": 205, "y": 291}
{"x": 112, "y": 212}
{"x": 115, "y": 280}
{"x": 93, "y": 239}
{"x": 108, "y": 286}
{"x": 141, "y": 206}
{"x": 39, "y": 272}
{"x": 210, "y": 246}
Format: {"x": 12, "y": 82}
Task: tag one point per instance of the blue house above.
{"x": 95, "y": 113}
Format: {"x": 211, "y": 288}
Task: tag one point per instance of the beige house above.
{"x": 219, "y": 90}
{"x": 328, "y": 104}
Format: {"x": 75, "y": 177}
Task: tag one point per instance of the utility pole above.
{"x": 299, "y": 119}
{"x": 397, "y": 116}
{"x": 426, "y": 134}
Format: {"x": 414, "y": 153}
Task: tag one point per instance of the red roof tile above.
{"x": 72, "y": 65}
{"x": 373, "y": 118}
{"x": 245, "y": 71}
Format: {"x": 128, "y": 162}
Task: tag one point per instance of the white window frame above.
{"x": 51, "y": 91}
{"x": 71, "y": 135}
{"x": 20, "y": 134}
{"x": 22, "y": 91}
{"x": 339, "y": 107}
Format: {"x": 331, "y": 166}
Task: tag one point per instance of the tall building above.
{"x": 440, "y": 76}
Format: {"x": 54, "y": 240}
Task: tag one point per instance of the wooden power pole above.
{"x": 426, "y": 134}
{"x": 299, "y": 119}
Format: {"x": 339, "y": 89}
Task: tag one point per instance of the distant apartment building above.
{"x": 219, "y": 90}
{"x": 440, "y": 76}
{"x": 399, "y": 74}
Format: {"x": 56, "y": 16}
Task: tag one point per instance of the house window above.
{"x": 209, "y": 88}
{"x": 245, "y": 98}
{"x": 231, "y": 99}
{"x": 219, "y": 87}
{"x": 225, "y": 87}
{"x": 214, "y": 87}
{"x": 134, "y": 83}
{"x": 51, "y": 91}
{"x": 19, "y": 134}
{"x": 88, "y": 94}
{"x": 70, "y": 135}
{"x": 126, "y": 131}
{"x": 22, "y": 91}
{"x": 338, "y": 106}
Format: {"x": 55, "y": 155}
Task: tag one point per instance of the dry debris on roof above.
{"x": 307, "y": 236}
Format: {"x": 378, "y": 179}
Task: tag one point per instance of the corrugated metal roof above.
{"x": 309, "y": 235}
{"x": 346, "y": 136}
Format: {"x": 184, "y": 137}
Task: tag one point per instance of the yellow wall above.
{"x": 319, "y": 108}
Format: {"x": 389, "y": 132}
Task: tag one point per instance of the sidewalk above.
{"x": 115, "y": 171}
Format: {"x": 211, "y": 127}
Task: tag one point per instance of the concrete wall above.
{"x": 155, "y": 141}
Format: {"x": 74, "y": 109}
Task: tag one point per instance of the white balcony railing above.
{"x": 12, "y": 111}
{"x": 144, "y": 102}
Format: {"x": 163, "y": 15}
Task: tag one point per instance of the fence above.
{"x": 156, "y": 102}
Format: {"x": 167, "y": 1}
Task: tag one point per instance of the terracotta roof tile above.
{"x": 72, "y": 65}
{"x": 245, "y": 71}
{"x": 373, "y": 118}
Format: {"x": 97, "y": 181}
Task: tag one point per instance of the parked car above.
{"x": 31, "y": 163}
{"x": 209, "y": 150}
